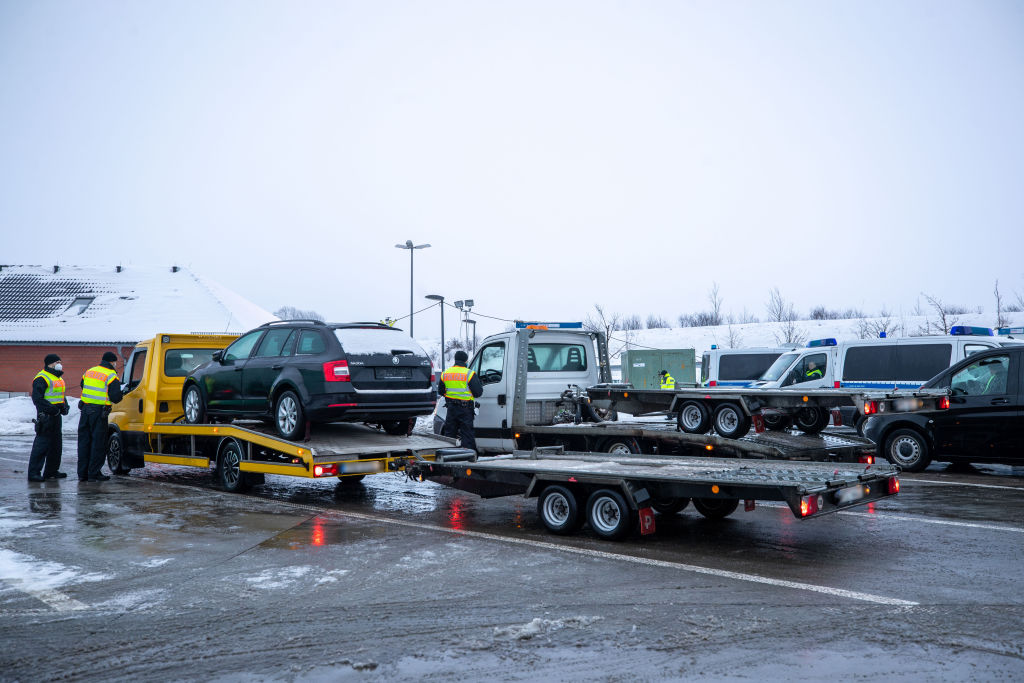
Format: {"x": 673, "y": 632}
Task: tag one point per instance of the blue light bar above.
{"x": 977, "y": 331}
{"x": 1011, "y": 330}
{"x": 714, "y": 346}
{"x": 822, "y": 342}
{"x": 520, "y": 325}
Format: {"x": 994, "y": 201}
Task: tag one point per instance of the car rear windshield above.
{"x": 367, "y": 340}
{"x": 180, "y": 362}
{"x": 736, "y": 366}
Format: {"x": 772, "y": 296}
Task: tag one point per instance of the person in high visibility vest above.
{"x": 100, "y": 389}
{"x": 48, "y": 398}
{"x": 813, "y": 371}
{"x": 667, "y": 380}
{"x": 460, "y": 386}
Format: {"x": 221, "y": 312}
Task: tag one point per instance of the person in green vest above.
{"x": 48, "y": 398}
{"x": 460, "y": 386}
{"x": 813, "y": 371}
{"x": 101, "y": 388}
{"x": 667, "y": 380}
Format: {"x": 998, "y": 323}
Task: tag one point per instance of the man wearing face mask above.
{"x": 48, "y": 398}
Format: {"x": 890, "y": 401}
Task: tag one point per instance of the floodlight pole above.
{"x": 411, "y": 247}
{"x": 438, "y": 297}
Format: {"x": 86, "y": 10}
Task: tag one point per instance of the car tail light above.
{"x": 325, "y": 470}
{"x": 336, "y": 371}
{"x": 894, "y": 485}
{"x": 944, "y": 403}
{"x": 433, "y": 375}
{"x": 870, "y": 408}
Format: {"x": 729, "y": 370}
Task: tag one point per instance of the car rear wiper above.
{"x": 399, "y": 352}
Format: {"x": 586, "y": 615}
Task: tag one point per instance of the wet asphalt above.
{"x": 161, "y": 576}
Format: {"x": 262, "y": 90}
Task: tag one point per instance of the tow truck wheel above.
{"x": 811, "y": 420}
{"x": 620, "y": 446}
{"x": 908, "y": 449}
{"x": 731, "y": 422}
{"x": 289, "y": 417}
{"x": 559, "y": 510}
{"x": 115, "y": 454}
{"x": 609, "y": 515}
{"x": 670, "y": 506}
{"x": 195, "y": 408}
{"x": 694, "y": 418}
{"x": 716, "y": 508}
{"x": 232, "y": 478}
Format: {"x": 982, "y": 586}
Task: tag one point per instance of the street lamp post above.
{"x": 473, "y": 323}
{"x": 411, "y": 247}
{"x": 464, "y": 307}
{"x": 438, "y": 297}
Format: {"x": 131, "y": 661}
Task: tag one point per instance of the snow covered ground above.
{"x": 16, "y": 415}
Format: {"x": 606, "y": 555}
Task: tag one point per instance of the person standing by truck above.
{"x": 100, "y": 389}
{"x": 48, "y": 398}
{"x": 460, "y": 386}
{"x": 667, "y": 380}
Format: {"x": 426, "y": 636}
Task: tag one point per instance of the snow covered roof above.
{"x": 108, "y": 305}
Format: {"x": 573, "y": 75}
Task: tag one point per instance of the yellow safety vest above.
{"x": 668, "y": 382}
{"x": 456, "y": 383}
{"x": 94, "y": 385}
{"x": 814, "y": 374}
{"x": 54, "y": 386}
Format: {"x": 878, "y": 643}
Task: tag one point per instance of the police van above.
{"x": 737, "y": 367}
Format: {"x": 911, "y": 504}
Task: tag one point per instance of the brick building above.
{"x": 79, "y": 312}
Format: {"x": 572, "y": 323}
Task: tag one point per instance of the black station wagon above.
{"x": 292, "y": 372}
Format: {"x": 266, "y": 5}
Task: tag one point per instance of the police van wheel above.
{"x": 559, "y": 510}
{"x": 731, "y": 422}
{"x": 229, "y": 469}
{"x": 289, "y": 417}
{"x": 776, "y": 422}
{"x": 195, "y": 407}
{"x": 115, "y": 454}
{"x": 811, "y": 420}
{"x": 908, "y": 449}
{"x": 670, "y": 506}
{"x": 609, "y": 515}
{"x": 716, "y": 508}
{"x": 694, "y": 418}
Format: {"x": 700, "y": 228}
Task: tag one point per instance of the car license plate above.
{"x": 393, "y": 373}
{"x": 849, "y": 494}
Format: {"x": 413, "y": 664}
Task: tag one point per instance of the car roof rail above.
{"x": 294, "y": 320}
{"x": 364, "y": 324}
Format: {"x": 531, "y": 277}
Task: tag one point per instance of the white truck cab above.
{"x": 557, "y": 355}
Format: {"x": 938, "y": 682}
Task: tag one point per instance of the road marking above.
{"x": 601, "y": 554}
{"x": 13, "y": 460}
{"x": 911, "y": 518}
{"x": 54, "y": 599}
{"x": 957, "y": 483}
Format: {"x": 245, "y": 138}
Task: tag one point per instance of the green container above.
{"x": 640, "y": 367}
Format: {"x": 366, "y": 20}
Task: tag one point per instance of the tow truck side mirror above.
{"x": 218, "y": 355}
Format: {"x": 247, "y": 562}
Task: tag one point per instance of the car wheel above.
{"x": 694, "y": 418}
{"x": 670, "y": 506}
{"x": 229, "y": 467}
{"x": 908, "y": 449}
{"x": 115, "y": 454}
{"x": 609, "y": 515}
{"x": 559, "y": 510}
{"x": 777, "y": 422}
{"x": 731, "y": 422}
{"x": 398, "y": 427}
{"x": 620, "y": 446}
{"x": 811, "y": 420}
{"x": 716, "y": 508}
{"x": 195, "y": 407}
{"x": 289, "y": 417}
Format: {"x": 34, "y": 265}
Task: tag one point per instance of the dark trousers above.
{"x": 92, "y": 440}
{"x": 459, "y": 422}
{"x": 46, "y": 449}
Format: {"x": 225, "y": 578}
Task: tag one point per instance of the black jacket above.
{"x": 39, "y": 397}
{"x": 114, "y": 390}
{"x": 476, "y": 387}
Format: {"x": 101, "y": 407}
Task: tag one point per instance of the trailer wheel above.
{"x": 811, "y": 420}
{"x": 620, "y": 446}
{"x": 694, "y": 418}
{"x": 731, "y": 422}
{"x": 195, "y": 407}
{"x": 289, "y": 417}
{"x": 232, "y": 478}
{"x": 670, "y": 506}
{"x": 716, "y": 508}
{"x": 777, "y": 422}
{"x": 908, "y": 449}
{"x": 115, "y": 454}
{"x": 559, "y": 510}
{"x": 609, "y": 515}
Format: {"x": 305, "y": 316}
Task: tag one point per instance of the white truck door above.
{"x": 494, "y": 367}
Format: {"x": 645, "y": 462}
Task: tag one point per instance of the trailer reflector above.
{"x": 714, "y": 488}
{"x": 646, "y": 521}
{"x": 894, "y": 485}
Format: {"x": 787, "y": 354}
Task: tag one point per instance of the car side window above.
{"x": 310, "y": 343}
{"x": 274, "y": 343}
{"x": 490, "y": 363}
{"x": 241, "y": 348}
{"x": 987, "y": 376}
{"x": 138, "y": 367}
{"x": 971, "y": 349}
{"x": 810, "y": 368}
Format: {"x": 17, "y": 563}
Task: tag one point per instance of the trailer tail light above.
{"x": 894, "y": 485}
{"x": 944, "y": 403}
{"x": 870, "y": 408}
{"x": 325, "y": 470}
{"x": 866, "y": 459}
{"x": 810, "y": 505}
{"x": 336, "y": 371}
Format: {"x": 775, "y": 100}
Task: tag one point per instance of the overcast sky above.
{"x": 555, "y": 154}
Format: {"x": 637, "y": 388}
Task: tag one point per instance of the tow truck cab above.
{"x": 154, "y": 375}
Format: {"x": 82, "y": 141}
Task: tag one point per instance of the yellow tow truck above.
{"x": 147, "y": 427}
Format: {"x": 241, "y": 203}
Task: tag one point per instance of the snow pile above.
{"x": 30, "y": 573}
{"x": 539, "y": 626}
{"x": 277, "y": 578}
{"x": 16, "y": 415}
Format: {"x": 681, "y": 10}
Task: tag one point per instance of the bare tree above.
{"x": 1001, "y": 321}
{"x": 779, "y": 310}
{"x": 946, "y": 316}
{"x": 870, "y": 328}
{"x": 789, "y": 333}
{"x": 292, "y": 313}
{"x": 632, "y": 322}
{"x": 716, "y": 304}
{"x": 747, "y": 317}
{"x": 735, "y": 338}
{"x": 656, "y": 322}
{"x": 822, "y": 313}
{"x": 608, "y": 323}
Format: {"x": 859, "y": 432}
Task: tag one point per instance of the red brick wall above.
{"x": 19, "y": 364}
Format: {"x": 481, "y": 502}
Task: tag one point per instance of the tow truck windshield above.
{"x": 779, "y": 367}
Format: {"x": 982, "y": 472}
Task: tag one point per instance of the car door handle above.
{"x": 140, "y": 405}
{"x": 999, "y": 401}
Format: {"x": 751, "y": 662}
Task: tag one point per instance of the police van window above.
{"x": 490, "y": 363}
{"x": 986, "y": 377}
{"x": 275, "y": 343}
{"x": 744, "y": 366}
{"x": 137, "y": 370}
{"x": 971, "y": 349}
{"x": 870, "y": 363}
{"x": 241, "y": 348}
{"x": 705, "y": 361}
{"x": 181, "y": 362}
{"x": 921, "y": 362}
{"x": 310, "y": 343}
{"x": 557, "y": 358}
{"x": 811, "y": 368}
